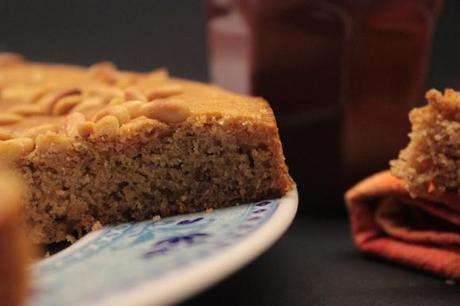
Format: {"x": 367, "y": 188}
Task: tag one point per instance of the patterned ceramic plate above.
{"x": 162, "y": 262}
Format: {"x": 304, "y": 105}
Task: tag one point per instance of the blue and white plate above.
{"x": 160, "y": 262}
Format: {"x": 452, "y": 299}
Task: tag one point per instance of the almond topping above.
{"x": 9, "y": 118}
{"x": 13, "y": 149}
{"x": 5, "y": 134}
{"x": 105, "y": 71}
{"x": 119, "y": 111}
{"x": 85, "y": 129}
{"x": 167, "y": 111}
{"x": 89, "y": 103}
{"x": 116, "y": 101}
{"x": 27, "y": 110}
{"x": 104, "y": 92}
{"x": 134, "y": 108}
{"x": 53, "y": 142}
{"x": 22, "y": 93}
{"x": 133, "y": 127}
{"x": 73, "y": 120}
{"x": 164, "y": 91}
{"x": 107, "y": 126}
{"x": 41, "y": 129}
{"x": 65, "y": 105}
{"x": 132, "y": 93}
{"x": 48, "y": 101}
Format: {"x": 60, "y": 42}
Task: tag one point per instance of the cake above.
{"x": 14, "y": 249}
{"x": 99, "y": 146}
{"x": 430, "y": 164}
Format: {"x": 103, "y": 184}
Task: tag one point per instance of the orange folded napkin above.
{"x": 420, "y": 232}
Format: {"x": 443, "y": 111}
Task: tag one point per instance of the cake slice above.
{"x": 430, "y": 164}
{"x": 100, "y": 146}
{"x": 15, "y": 251}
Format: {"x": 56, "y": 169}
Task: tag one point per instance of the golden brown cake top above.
{"x": 63, "y": 100}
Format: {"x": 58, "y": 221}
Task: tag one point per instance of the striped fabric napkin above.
{"x": 420, "y": 232}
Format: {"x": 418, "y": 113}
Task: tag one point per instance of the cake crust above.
{"x": 100, "y": 145}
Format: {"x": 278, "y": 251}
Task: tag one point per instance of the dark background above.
{"x": 445, "y": 62}
{"x": 156, "y": 33}
{"x": 138, "y": 35}
{"x": 315, "y": 263}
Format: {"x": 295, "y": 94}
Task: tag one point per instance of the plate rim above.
{"x": 213, "y": 269}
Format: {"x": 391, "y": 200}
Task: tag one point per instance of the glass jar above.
{"x": 341, "y": 76}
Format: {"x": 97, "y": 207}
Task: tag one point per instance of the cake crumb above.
{"x": 70, "y": 238}
{"x": 209, "y": 210}
{"x": 156, "y": 218}
{"x": 96, "y": 226}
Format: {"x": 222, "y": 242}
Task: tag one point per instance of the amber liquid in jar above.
{"x": 341, "y": 76}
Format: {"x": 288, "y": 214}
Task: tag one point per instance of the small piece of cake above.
{"x": 431, "y": 162}
{"x": 99, "y": 146}
{"x": 14, "y": 249}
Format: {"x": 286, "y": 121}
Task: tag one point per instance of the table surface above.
{"x": 316, "y": 263}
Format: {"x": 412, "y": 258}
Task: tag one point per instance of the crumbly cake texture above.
{"x": 430, "y": 164}
{"x": 15, "y": 251}
{"x": 100, "y": 146}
